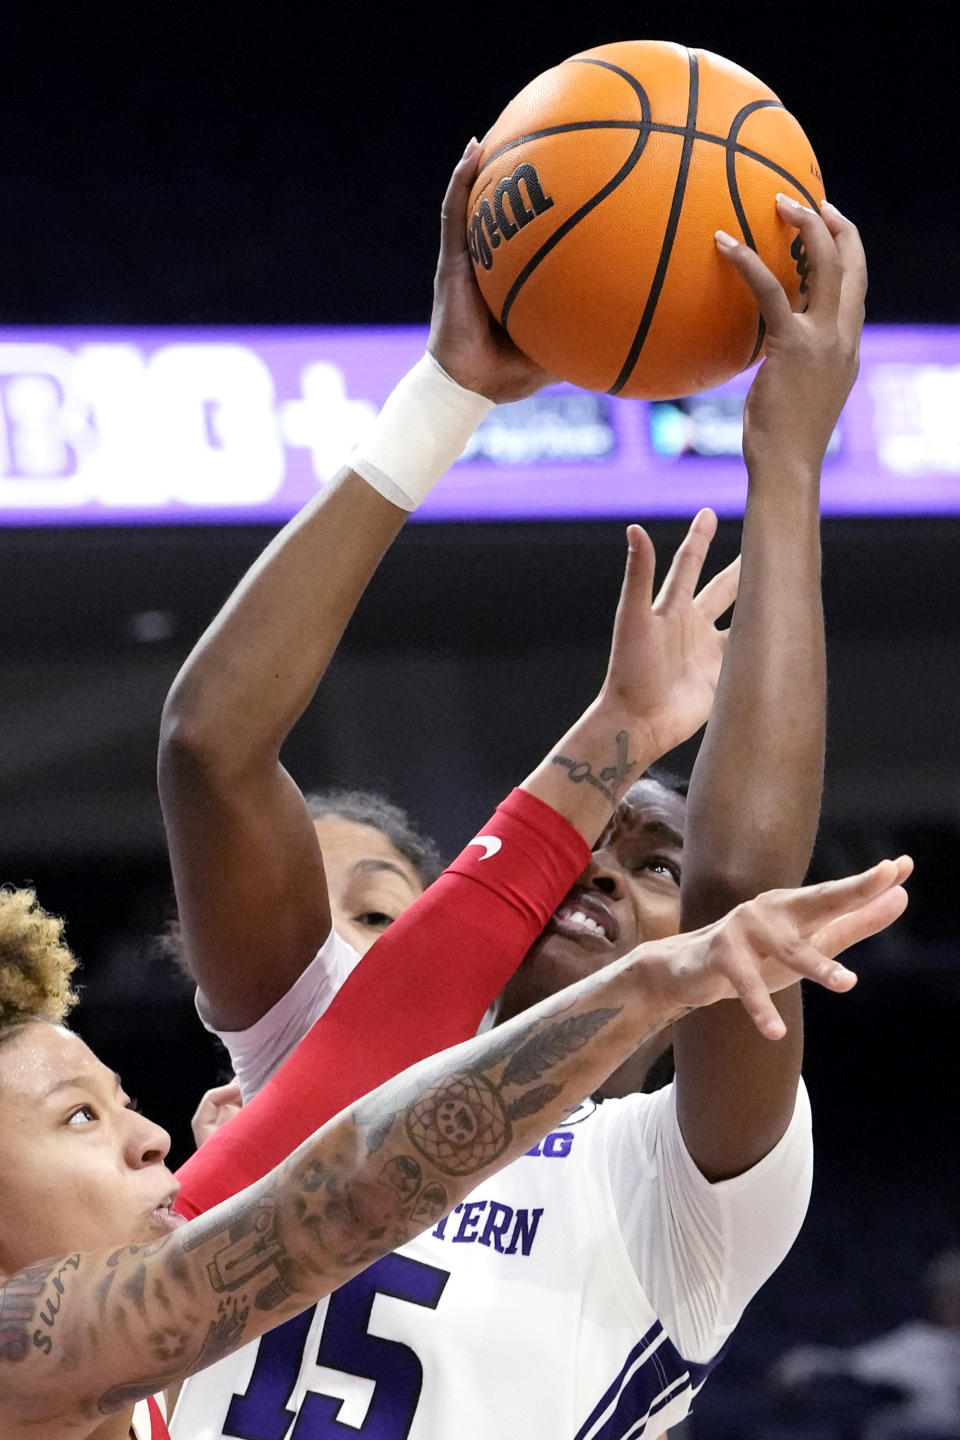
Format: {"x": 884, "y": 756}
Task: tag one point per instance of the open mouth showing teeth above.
{"x": 573, "y": 920}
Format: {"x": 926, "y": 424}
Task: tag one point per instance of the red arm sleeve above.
{"x": 425, "y": 985}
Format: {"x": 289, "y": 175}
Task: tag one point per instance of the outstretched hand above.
{"x": 464, "y": 337}
{"x": 666, "y": 653}
{"x": 812, "y": 357}
{"x": 771, "y": 942}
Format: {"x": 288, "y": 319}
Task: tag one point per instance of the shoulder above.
{"x": 257, "y": 1052}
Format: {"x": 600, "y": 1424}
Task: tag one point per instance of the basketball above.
{"x": 591, "y": 222}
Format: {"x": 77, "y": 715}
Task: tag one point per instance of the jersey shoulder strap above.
{"x": 149, "y": 1422}
{"x": 158, "y": 1423}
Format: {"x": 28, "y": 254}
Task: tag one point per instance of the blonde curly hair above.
{"x": 35, "y": 963}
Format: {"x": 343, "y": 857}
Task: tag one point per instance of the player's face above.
{"x": 369, "y": 882}
{"x": 629, "y": 893}
{"x": 79, "y": 1169}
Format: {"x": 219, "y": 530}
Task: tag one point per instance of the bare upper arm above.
{"x": 736, "y": 1090}
{"x": 249, "y": 880}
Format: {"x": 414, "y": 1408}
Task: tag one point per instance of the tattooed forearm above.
{"x": 143, "y": 1316}
{"x": 611, "y": 779}
{"x": 252, "y": 1249}
{"x": 29, "y": 1305}
{"x": 463, "y": 1124}
{"x": 552, "y": 1044}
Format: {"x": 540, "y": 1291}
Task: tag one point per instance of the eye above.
{"x": 374, "y": 919}
{"x": 133, "y": 1105}
{"x": 660, "y": 865}
{"x": 84, "y": 1114}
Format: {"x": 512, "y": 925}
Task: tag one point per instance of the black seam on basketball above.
{"x": 568, "y": 224}
{"x": 654, "y": 127}
{"x": 635, "y": 86}
{"x": 740, "y": 150}
{"x": 643, "y": 135}
{"x": 779, "y": 170}
{"x": 731, "y": 165}
{"x": 646, "y": 109}
{"x": 673, "y": 220}
{"x": 733, "y": 187}
{"x": 562, "y": 130}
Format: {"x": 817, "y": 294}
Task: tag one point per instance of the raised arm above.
{"x": 246, "y": 862}
{"x": 86, "y": 1335}
{"x": 754, "y": 797}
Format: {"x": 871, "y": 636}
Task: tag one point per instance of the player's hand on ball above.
{"x": 464, "y": 338}
{"x": 771, "y": 942}
{"x": 812, "y": 358}
{"x": 216, "y": 1107}
{"x": 666, "y": 652}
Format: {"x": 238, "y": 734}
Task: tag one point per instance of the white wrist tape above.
{"x": 421, "y": 430}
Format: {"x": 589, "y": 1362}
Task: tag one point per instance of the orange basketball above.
{"x": 592, "y": 219}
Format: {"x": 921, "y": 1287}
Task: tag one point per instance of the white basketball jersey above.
{"x": 583, "y": 1293}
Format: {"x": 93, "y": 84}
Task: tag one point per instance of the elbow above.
{"x": 203, "y": 749}
{"x": 191, "y": 747}
{"x": 712, "y": 892}
{"x": 771, "y": 851}
{"x": 185, "y": 732}
{"x": 706, "y": 898}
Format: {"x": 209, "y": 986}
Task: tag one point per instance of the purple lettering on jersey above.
{"x": 555, "y": 1147}
{"x": 439, "y": 1230}
{"x": 469, "y": 1222}
{"x": 525, "y": 1227}
{"x": 496, "y": 1232}
{"x": 498, "y": 1222}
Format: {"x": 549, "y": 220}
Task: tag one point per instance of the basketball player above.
{"x": 664, "y": 664}
{"x": 106, "y": 1301}
{"x": 254, "y": 907}
{"x": 705, "y": 1183}
{"x": 376, "y": 862}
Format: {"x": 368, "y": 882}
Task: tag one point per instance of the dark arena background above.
{"x": 186, "y": 166}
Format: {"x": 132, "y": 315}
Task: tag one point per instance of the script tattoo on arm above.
{"x": 611, "y": 778}
{"x": 29, "y": 1305}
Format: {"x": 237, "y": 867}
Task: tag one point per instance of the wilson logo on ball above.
{"x": 492, "y": 223}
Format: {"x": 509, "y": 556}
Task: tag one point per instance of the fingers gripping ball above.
{"x": 592, "y": 218}
{"x": 460, "y": 1125}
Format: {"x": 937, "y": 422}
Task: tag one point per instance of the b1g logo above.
{"x": 492, "y": 223}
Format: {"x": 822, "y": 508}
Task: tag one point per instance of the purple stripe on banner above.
{"x": 158, "y": 426}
